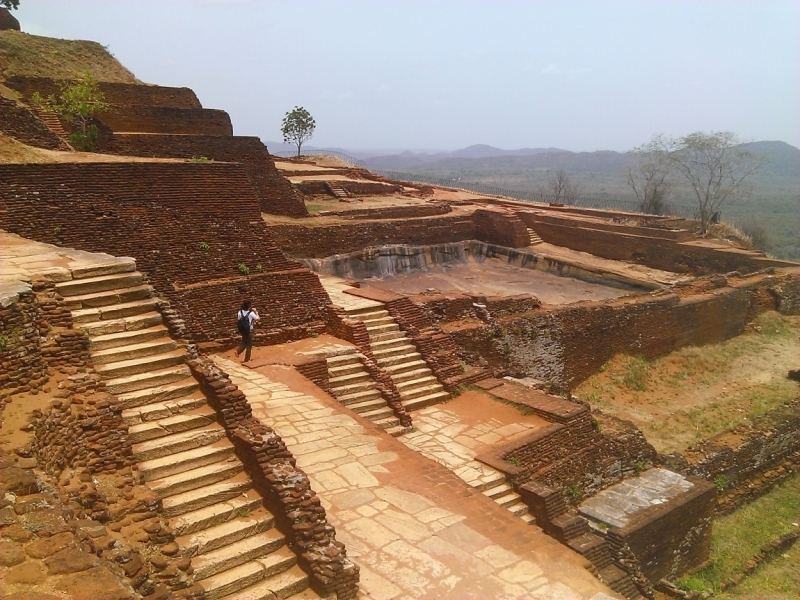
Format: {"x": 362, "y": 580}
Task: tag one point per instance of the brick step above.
{"x": 114, "y": 311}
{"x": 567, "y": 527}
{"x": 423, "y": 401}
{"x": 215, "y": 493}
{"x": 224, "y": 534}
{"x": 342, "y": 370}
{"x": 276, "y": 570}
{"x": 518, "y": 509}
{"x": 619, "y": 581}
{"x": 416, "y": 383}
{"x": 178, "y": 442}
{"x": 593, "y": 547}
{"x": 151, "y": 430}
{"x": 125, "y": 338}
{"x": 91, "y": 285}
{"x": 141, "y": 381}
{"x": 498, "y": 490}
{"x": 211, "y": 516}
{"x": 283, "y": 585}
{"x": 393, "y": 357}
{"x": 131, "y": 351}
{"x": 412, "y": 374}
{"x": 346, "y": 380}
{"x": 108, "y": 297}
{"x": 158, "y": 394}
{"x": 146, "y": 364}
{"x": 196, "y": 478}
{"x": 387, "y": 336}
{"x": 355, "y": 397}
{"x": 237, "y": 553}
{"x": 179, "y": 462}
{"x": 379, "y": 413}
{"x": 163, "y": 410}
{"x": 132, "y": 323}
{"x": 343, "y": 359}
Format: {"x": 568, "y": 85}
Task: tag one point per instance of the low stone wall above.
{"x": 532, "y": 218}
{"x": 354, "y": 188}
{"x": 393, "y": 212}
{"x": 22, "y": 368}
{"x": 444, "y": 308}
{"x": 285, "y": 488}
{"x": 20, "y": 123}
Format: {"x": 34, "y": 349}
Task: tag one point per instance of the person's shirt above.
{"x": 252, "y": 317}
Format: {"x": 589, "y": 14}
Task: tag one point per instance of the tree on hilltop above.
{"x": 78, "y": 102}
{"x": 713, "y": 164}
{"x": 648, "y": 177}
{"x": 561, "y": 187}
{"x": 297, "y": 127}
{"x": 9, "y": 4}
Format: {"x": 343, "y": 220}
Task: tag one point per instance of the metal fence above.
{"x": 672, "y": 210}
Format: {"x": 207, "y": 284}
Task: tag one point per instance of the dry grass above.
{"x": 698, "y": 392}
{"x": 33, "y": 55}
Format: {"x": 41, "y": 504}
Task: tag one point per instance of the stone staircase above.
{"x": 337, "y": 189}
{"x": 352, "y": 385}
{"x": 394, "y": 352}
{"x": 500, "y": 491}
{"x": 53, "y": 123}
{"x": 535, "y": 239}
{"x": 182, "y": 452}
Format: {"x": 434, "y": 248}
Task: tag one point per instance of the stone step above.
{"x": 381, "y": 348}
{"x": 518, "y": 509}
{"x": 196, "y": 478}
{"x": 107, "y": 297}
{"x": 178, "y": 442}
{"x": 386, "y": 336}
{"x": 356, "y": 397}
{"x": 141, "y": 381}
{"x": 387, "y": 361}
{"x": 341, "y": 370}
{"x": 395, "y": 430}
{"x": 109, "y": 265}
{"x": 151, "y": 430}
{"x": 131, "y": 351}
{"x": 259, "y": 571}
{"x": 508, "y": 499}
{"x": 222, "y": 512}
{"x": 125, "y": 338}
{"x": 237, "y": 553}
{"x": 180, "y": 462}
{"x": 528, "y": 518}
{"x": 415, "y": 383}
{"x": 90, "y": 285}
{"x": 411, "y": 363}
{"x": 133, "y": 323}
{"x": 163, "y": 410}
{"x": 282, "y": 585}
{"x": 346, "y": 380}
{"x": 114, "y": 311}
{"x": 158, "y": 394}
{"x": 376, "y": 321}
{"x": 387, "y": 422}
{"x": 345, "y": 391}
{"x": 192, "y": 500}
{"x": 412, "y": 374}
{"x": 379, "y": 413}
{"x": 423, "y": 401}
{"x": 498, "y": 481}
{"x": 370, "y": 312}
{"x": 146, "y": 364}
{"x": 382, "y": 328}
{"x": 498, "y": 490}
{"x": 368, "y": 405}
{"x": 226, "y": 533}
{"x": 343, "y": 359}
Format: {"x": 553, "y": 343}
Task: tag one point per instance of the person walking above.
{"x": 245, "y": 319}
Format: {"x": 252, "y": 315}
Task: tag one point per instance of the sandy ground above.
{"x": 12, "y": 151}
{"x": 696, "y": 393}
{"x": 494, "y": 277}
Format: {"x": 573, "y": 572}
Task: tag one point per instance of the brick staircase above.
{"x": 351, "y": 384}
{"x": 394, "y": 352}
{"x": 535, "y": 239}
{"x": 53, "y": 123}
{"x": 337, "y": 189}
{"x": 183, "y": 454}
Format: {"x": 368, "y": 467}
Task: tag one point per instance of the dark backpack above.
{"x": 243, "y": 324}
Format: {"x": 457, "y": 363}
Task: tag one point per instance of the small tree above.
{"x": 297, "y": 127}
{"x": 561, "y": 188}
{"x": 648, "y": 177}
{"x": 78, "y": 102}
{"x": 714, "y": 165}
{"x": 9, "y": 4}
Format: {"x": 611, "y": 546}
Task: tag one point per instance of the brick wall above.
{"x": 394, "y": 212}
{"x": 533, "y": 218}
{"x": 22, "y": 368}
{"x": 356, "y": 188}
{"x": 277, "y": 195}
{"x": 177, "y": 220}
{"x": 115, "y": 93}
{"x": 501, "y": 228}
{"x": 165, "y": 119}
{"x": 20, "y": 123}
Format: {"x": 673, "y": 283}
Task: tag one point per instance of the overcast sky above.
{"x": 578, "y": 75}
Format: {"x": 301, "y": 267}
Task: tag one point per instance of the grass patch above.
{"x": 636, "y": 374}
{"x": 739, "y": 536}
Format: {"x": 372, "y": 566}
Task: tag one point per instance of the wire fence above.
{"x": 672, "y": 210}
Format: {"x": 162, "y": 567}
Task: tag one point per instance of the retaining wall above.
{"x": 166, "y": 119}
{"x": 23, "y": 125}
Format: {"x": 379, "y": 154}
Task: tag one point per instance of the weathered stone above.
{"x": 29, "y": 573}
{"x": 44, "y": 547}
{"x": 11, "y": 554}
{"x": 70, "y": 560}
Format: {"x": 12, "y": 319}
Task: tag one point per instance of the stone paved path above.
{"x": 413, "y": 527}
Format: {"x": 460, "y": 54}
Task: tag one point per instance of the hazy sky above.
{"x": 444, "y": 75}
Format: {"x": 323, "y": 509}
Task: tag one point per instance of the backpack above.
{"x": 243, "y": 324}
